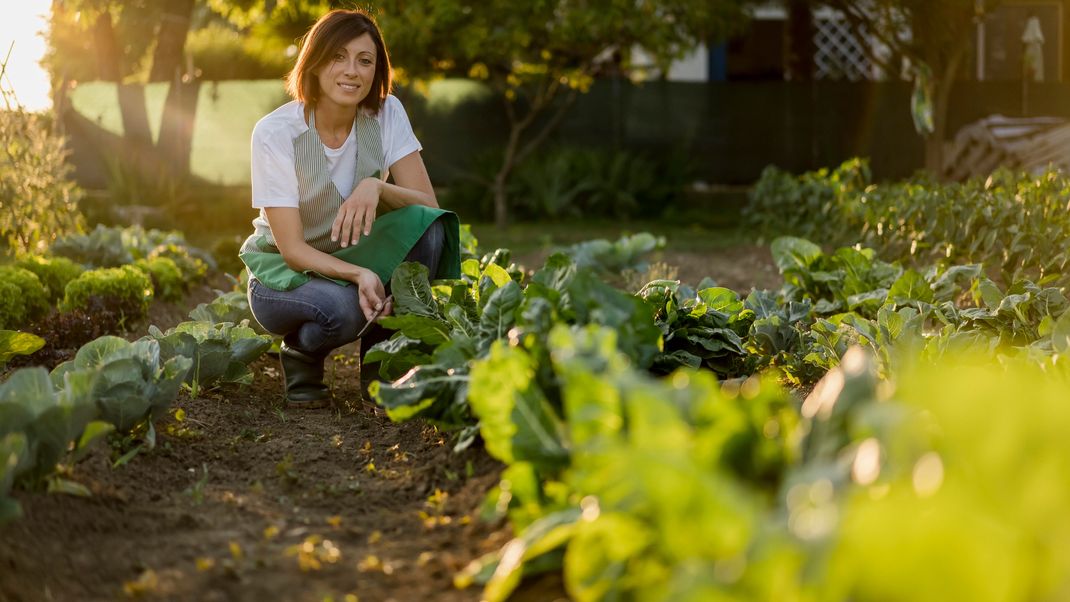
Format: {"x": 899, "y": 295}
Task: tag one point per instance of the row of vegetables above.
{"x": 111, "y": 387}
{"x": 923, "y": 464}
{"x": 127, "y": 266}
{"x": 1017, "y": 225}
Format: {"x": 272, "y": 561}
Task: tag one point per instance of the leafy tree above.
{"x": 540, "y": 56}
{"x": 116, "y": 40}
{"x": 935, "y": 37}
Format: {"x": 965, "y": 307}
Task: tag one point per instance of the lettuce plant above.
{"x": 217, "y": 353}
{"x": 31, "y": 297}
{"x": 54, "y": 273}
{"x": 130, "y": 382}
{"x": 168, "y": 282}
{"x": 126, "y": 288}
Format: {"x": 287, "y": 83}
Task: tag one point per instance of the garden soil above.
{"x": 242, "y": 499}
{"x": 245, "y": 500}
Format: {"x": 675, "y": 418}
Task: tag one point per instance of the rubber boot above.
{"x": 303, "y": 375}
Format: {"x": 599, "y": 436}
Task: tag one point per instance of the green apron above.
{"x": 393, "y": 234}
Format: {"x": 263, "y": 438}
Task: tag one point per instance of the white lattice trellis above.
{"x": 839, "y": 53}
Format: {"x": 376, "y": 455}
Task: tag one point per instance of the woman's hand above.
{"x": 371, "y": 293}
{"x": 357, "y": 212}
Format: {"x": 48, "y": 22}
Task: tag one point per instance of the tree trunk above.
{"x": 132, "y": 109}
{"x": 501, "y": 207}
{"x": 107, "y": 48}
{"x": 171, "y": 40}
{"x": 176, "y": 126}
{"x": 501, "y": 179}
{"x": 799, "y": 44}
{"x": 935, "y": 143}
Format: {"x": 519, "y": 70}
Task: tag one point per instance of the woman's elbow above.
{"x": 292, "y": 258}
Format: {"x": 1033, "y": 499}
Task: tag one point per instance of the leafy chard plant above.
{"x": 440, "y": 329}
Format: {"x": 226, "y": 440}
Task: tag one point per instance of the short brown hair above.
{"x": 330, "y": 33}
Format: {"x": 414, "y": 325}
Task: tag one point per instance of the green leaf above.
{"x": 544, "y": 535}
{"x": 595, "y": 302}
{"x": 93, "y": 431}
{"x": 14, "y": 457}
{"x": 955, "y": 279}
{"x": 55, "y": 429}
{"x": 667, "y": 362}
{"x": 911, "y": 287}
{"x": 499, "y": 311}
{"x": 246, "y": 346}
{"x": 721, "y": 299}
{"x": 988, "y": 292}
{"x": 493, "y": 278}
{"x": 557, "y": 273}
{"x": 237, "y": 373}
{"x": 430, "y": 330}
{"x": 457, "y": 317}
{"x": 868, "y": 302}
{"x": 600, "y": 553}
{"x": 412, "y": 290}
{"x": 794, "y": 254}
{"x": 516, "y": 420}
{"x": 14, "y": 343}
{"x": 397, "y": 355}
{"x": 30, "y": 388}
{"x": 429, "y": 391}
{"x": 1060, "y": 334}
{"x": 762, "y": 303}
{"x": 93, "y": 353}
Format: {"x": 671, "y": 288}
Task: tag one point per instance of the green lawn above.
{"x": 226, "y": 114}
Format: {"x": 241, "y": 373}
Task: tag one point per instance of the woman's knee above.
{"x": 428, "y": 248}
{"x": 321, "y": 309}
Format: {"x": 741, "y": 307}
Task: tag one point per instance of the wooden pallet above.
{"x": 1031, "y": 144}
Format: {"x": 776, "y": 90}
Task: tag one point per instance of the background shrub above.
{"x": 126, "y": 290}
{"x": 53, "y": 272}
{"x": 569, "y": 182}
{"x": 225, "y": 252}
{"x": 40, "y": 200}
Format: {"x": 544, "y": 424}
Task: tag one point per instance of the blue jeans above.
{"x": 320, "y": 315}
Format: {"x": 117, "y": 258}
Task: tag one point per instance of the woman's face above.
{"x": 346, "y": 78}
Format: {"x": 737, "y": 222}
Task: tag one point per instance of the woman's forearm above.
{"x": 392, "y": 196}
{"x": 301, "y": 257}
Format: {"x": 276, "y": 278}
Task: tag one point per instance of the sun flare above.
{"x": 21, "y": 32}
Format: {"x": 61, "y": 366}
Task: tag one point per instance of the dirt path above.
{"x": 242, "y": 500}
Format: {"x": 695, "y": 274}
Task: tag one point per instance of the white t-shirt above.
{"x": 274, "y": 178}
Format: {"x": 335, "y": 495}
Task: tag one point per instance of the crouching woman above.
{"x": 331, "y": 229}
